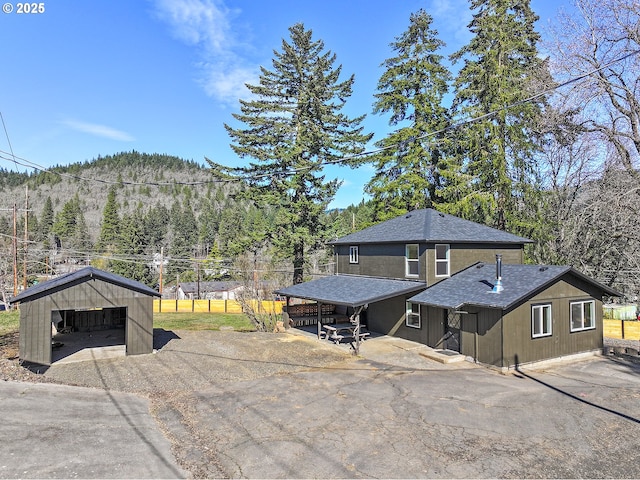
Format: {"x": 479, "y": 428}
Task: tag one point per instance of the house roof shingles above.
{"x": 351, "y": 290}
{"x": 79, "y": 276}
{"x": 429, "y": 225}
{"x": 474, "y": 285}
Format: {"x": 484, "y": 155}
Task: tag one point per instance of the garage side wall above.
{"x": 35, "y": 316}
{"x": 35, "y": 332}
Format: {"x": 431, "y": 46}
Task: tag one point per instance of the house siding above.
{"x": 386, "y": 316}
{"x": 462, "y": 256}
{"x": 432, "y": 327}
{"x": 35, "y": 316}
{"x": 378, "y": 260}
{"x": 388, "y": 260}
{"x": 481, "y": 335}
{"x": 520, "y": 347}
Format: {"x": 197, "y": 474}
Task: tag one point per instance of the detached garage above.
{"x": 83, "y": 301}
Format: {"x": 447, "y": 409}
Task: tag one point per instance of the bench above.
{"x": 306, "y": 314}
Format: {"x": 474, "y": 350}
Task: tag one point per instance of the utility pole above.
{"x": 161, "y": 263}
{"x": 15, "y": 252}
{"x": 26, "y": 236}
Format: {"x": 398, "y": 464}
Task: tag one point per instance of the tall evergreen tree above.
{"x": 293, "y": 127}
{"x": 156, "y": 226}
{"x": 496, "y": 149}
{"x": 109, "y": 230}
{"x": 131, "y": 250}
{"x": 184, "y": 238}
{"x": 46, "y": 219}
{"x": 209, "y": 220}
{"x": 70, "y": 226}
{"x": 411, "y": 89}
{"x": 70, "y": 229}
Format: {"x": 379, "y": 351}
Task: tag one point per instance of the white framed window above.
{"x": 442, "y": 260}
{"x": 353, "y": 254}
{"x": 583, "y": 315}
{"x": 541, "y": 321}
{"x": 412, "y": 259}
{"x": 412, "y": 318}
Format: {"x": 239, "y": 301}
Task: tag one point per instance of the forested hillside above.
{"x": 123, "y": 212}
{"x": 141, "y": 181}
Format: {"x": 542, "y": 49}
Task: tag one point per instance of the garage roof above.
{"x": 79, "y": 276}
{"x": 351, "y": 290}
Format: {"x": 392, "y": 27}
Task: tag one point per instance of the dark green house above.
{"x": 511, "y": 315}
{"x": 418, "y": 260}
{"x": 85, "y": 300}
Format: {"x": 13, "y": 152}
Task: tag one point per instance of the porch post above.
{"x": 319, "y": 320}
{"x": 356, "y": 331}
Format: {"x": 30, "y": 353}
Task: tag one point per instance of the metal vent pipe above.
{"x": 497, "y": 287}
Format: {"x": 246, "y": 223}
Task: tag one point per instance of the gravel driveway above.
{"x": 252, "y": 405}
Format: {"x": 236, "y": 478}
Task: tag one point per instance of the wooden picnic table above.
{"x": 340, "y": 331}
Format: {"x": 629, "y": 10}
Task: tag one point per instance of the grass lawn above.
{"x": 10, "y": 321}
{"x": 202, "y": 321}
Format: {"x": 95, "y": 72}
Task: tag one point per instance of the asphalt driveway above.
{"x": 282, "y": 406}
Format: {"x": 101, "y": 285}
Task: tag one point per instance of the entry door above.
{"x": 452, "y": 331}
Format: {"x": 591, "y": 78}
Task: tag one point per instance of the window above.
{"x": 583, "y": 315}
{"x": 412, "y": 318}
{"x": 412, "y": 260}
{"x": 442, "y": 260}
{"x": 540, "y": 321}
{"x": 353, "y": 254}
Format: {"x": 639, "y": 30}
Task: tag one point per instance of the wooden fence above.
{"x": 212, "y": 306}
{"x": 622, "y": 329}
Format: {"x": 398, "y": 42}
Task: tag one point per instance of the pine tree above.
{"x": 110, "y": 223}
{"x": 131, "y": 250}
{"x": 496, "y": 149}
{"x": 412, "y": 90}
{"x": 47, "y": 218}
{"x": 70, "y": 228}
{"x": 293, "y": 126}
{"x": 156, "y": 226}
{"x": 184, "y": 237}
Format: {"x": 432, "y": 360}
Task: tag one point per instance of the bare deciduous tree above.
{"x": 591, "y": 166}
{"x": 604, "y": 38}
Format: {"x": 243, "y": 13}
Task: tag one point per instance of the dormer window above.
{"x": 412, "y": 259}
{"x": 442, "y": 260}
{"x": 353, "y": 254}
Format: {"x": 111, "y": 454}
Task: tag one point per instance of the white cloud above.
{"x": 227, "y": 83}
{"x": 99, "y": 130}
{"x": 205, "y": 24}
{"x": 197, "y": 22}
{"x": 451, "y": 18}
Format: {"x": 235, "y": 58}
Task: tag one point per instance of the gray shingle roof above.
{"x": 351, "y": 290}
{"x": 80, "y": 276}
{"x": 473, "y": 286}
{"x": 430, "y": 226}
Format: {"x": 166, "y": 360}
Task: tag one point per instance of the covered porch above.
{"x": 339, "y": 305}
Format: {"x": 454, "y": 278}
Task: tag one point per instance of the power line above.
{"x": 291, "y": 171}
{"x": 7, "y": 135}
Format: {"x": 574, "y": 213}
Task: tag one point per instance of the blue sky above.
{"x": 98, "y": 77}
